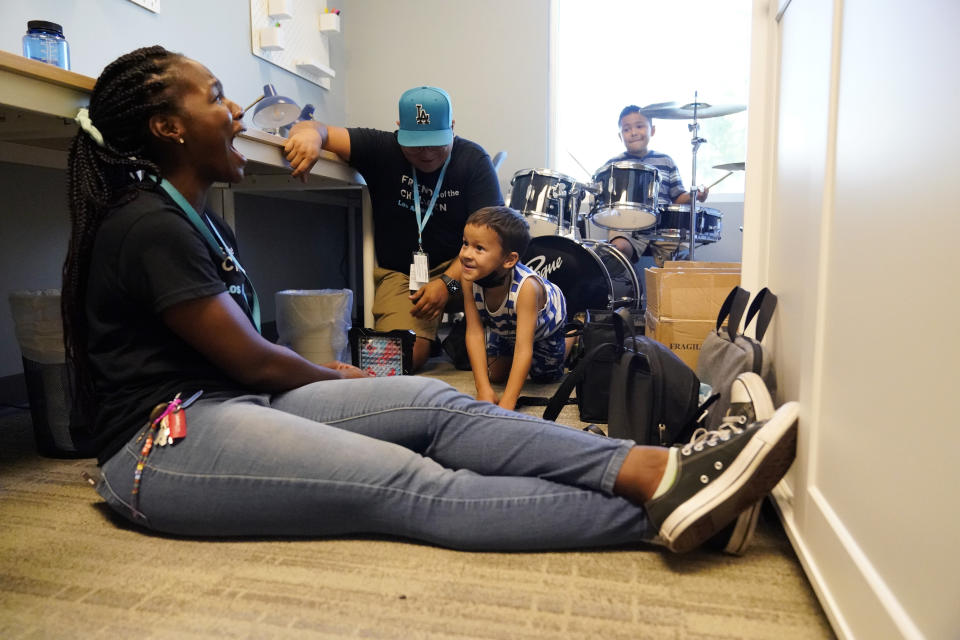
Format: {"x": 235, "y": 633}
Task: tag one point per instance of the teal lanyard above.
{"x": 436, "y": 193}
{"x": 221, "y": 247}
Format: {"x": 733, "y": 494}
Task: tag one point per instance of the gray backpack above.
{"x": 726, "y": 353}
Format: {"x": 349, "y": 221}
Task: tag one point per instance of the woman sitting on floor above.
{"x": 158, "y": 309}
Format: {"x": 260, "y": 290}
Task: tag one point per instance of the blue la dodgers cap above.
{"x": 426, "y": 118}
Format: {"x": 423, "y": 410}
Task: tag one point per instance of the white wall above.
{"x": 214, "y": 32}
{"x": 858, "y": 230}
{"x": 730, "y": 246}
{"x": 492, "y": 58}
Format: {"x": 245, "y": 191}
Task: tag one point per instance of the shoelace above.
{"x": 733, "y": 421}
{"x": 703, "y": 436}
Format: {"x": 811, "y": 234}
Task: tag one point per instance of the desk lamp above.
{"x": 273, "y": 111}
{"x": 305, "y": 114}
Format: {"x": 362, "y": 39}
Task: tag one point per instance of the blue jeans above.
{"x": 403, "y": 456}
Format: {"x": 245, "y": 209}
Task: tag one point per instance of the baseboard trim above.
{"x": 856, "y": 600}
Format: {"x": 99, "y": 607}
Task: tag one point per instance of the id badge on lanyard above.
{"x": 420, "y": 266}
{"x": 419, "y": 270}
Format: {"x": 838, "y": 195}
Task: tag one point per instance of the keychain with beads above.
{"x": 166, "y": 427}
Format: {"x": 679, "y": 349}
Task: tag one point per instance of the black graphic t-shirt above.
{"x": 148, "y": 257}
{"x": 470, "y": 183}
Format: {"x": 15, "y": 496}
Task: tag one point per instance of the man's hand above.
{"x": 430, "y": 300}
{"x": 303, "y": 146}
{"x": 346, "y": 370}
{"x": 702, "y": 194}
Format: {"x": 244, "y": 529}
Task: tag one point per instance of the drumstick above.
{"x": 720, "y": 180}
{"x": 578, "y": 162}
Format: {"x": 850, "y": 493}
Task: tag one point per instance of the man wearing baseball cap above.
{"x": 416, "y": 239}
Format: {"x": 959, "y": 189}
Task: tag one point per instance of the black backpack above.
{"x": 593, "y": 386}
{"x": 653, "y": 396}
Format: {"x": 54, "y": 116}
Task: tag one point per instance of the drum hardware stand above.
{"x": 559, "y": 198}
{"x": 695, "y": 141}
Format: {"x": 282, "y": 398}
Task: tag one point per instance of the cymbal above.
{"x": 731, "y": 166}
{"x": 660, "y": 105}
{"x": 683, "y": 112}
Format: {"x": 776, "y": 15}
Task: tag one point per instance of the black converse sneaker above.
{"x": 721, "y": 473}
{"x": 750, "y": 401}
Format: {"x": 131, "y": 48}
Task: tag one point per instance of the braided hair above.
{"x": 131, "y": 90}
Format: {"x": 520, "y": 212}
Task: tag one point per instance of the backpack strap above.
{"x": 762, "y": 307}
{"x": 573, "y": 329}
{"x": 559, "y": 398}
{"x": 733, "y": 307}
{"x": 594, "y": 429}
{"x": 621, "y": 322}
{"x": 629, "y": 411}
{"x": 538, "y": 401}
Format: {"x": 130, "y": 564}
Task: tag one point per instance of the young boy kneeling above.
{"x": 525, "y": 313}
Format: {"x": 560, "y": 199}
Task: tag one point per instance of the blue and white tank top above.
{"x": 503, "y": 321}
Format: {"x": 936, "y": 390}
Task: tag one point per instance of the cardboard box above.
{"x": 687, "y": 265}
{"x": 687, "y": 292}
{"x": 683, "y": 337}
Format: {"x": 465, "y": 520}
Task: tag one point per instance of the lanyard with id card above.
{"x": 420, "y": 266}
{"x": 419, "y": 270}
{"x": 250, "y": 303}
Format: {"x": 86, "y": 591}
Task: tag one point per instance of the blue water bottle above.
{"x": 44, "y": 41}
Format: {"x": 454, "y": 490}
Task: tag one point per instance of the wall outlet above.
{"x": 149, "y": 5}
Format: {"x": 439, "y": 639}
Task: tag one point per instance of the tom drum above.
{"x": 673, "y": 226}
{"x": 627, "y": 199}
{"x": 548, "y": 199}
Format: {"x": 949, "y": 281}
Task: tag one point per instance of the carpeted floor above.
{"x": 70, "y": 569}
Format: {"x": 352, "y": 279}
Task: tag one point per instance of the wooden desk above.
{"x": 38, "y": 102}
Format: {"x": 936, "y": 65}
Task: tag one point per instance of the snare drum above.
{"x": 591, "y": 274}
{"x": 628, "y": 196}
{"x": 674, "y": 225}
{"x": 547, "y": 199}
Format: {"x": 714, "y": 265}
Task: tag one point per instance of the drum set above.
{"x": 622, "y": 196}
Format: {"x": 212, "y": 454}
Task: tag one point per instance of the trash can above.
{"x": 315, "y": 322}
{"x": 39, "y": 330}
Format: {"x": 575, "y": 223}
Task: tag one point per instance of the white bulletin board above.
{"x": 306, "y": 50}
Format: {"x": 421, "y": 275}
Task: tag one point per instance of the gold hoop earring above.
{"x": 181, "y": 141}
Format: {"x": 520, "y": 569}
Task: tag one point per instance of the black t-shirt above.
{"x": 148, "y": 257}
{"x": 470, "y": 183}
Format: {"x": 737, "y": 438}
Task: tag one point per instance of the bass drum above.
{"x": 591, "y": 274}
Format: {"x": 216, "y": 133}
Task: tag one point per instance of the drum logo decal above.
{"x": 540, "y": 265}
{"x": 422, "y": 116}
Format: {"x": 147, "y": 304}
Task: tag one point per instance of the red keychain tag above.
{"x": 177, "y": 423}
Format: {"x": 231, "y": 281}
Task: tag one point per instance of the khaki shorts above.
{"x": 391, "y": 302}
{"x": 640, "y": 246}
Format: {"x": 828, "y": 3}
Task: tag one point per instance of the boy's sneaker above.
{"x": 720, "y": 474}
{"x": 750, "y": 401}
